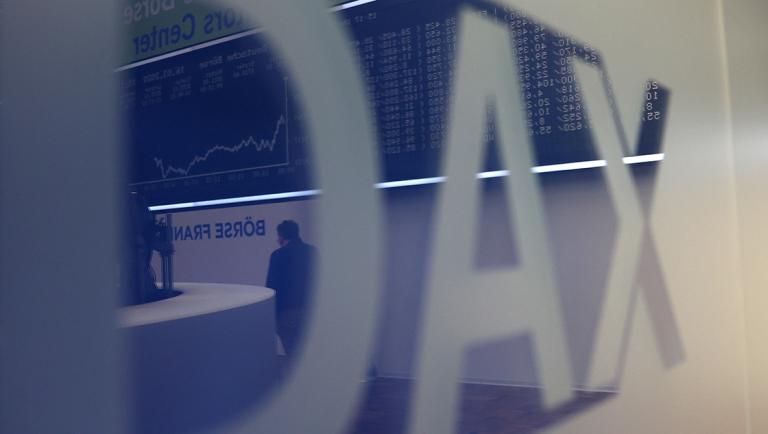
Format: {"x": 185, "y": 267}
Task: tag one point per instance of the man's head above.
{"x": 287, "y": 231}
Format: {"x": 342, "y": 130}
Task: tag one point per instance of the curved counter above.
{"x": 199, "y": 358}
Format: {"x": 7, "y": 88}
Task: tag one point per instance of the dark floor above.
{"x": 485, "y": 409}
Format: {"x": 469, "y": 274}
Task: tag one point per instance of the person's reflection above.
{"x": 291, "y": 276}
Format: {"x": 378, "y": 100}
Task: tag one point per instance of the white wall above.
{"x": 234, "y": 259}
{"x": 746, "y": 36}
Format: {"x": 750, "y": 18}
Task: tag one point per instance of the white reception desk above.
{"x": 199, "y": 358}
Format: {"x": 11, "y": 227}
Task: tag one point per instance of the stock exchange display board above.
{"x": 219, "y": 118}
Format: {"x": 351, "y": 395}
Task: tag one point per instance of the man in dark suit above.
{"x": 291, "y": 271}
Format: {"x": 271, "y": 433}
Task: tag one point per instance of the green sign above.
{"x": 155, "y": 27}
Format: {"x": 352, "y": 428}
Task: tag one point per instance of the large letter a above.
{"x": 466, "y": 306}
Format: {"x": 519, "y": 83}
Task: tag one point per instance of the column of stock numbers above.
{"x": 408, "y": 72}
{"x": 407, "y": 53}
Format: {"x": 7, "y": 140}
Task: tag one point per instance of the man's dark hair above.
{"x": 289, "y": 230}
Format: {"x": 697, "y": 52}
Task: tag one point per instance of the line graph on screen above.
{"x": 259, "y": 149}
{"x": 250, "y": 143}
